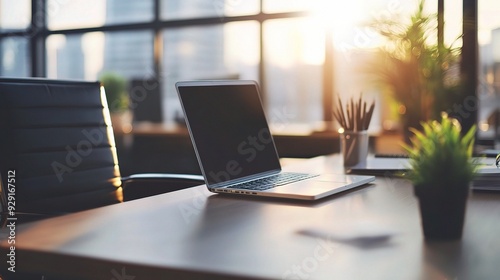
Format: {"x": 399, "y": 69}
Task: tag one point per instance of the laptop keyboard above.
{"x": 272, "y": 181}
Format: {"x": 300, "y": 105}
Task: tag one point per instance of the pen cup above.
{"x": 354, "y": 147}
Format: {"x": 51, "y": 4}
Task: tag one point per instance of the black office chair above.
{"x": 57, "y": 143}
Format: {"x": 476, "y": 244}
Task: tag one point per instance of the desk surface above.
{"x": 372, "y": 232}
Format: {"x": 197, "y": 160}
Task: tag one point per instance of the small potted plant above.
{"x": 441, "y": 170}
{"x": 115, "y": 87}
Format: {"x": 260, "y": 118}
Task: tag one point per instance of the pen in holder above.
{"x": 353, "y": 135}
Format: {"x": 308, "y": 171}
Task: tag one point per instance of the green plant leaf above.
{"x": 439, "y": 155}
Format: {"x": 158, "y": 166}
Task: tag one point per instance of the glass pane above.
{"x": 91, "y": 13}
{"x": 489, "y": 70}
{"x": 175, "y": 9}
{"x": 15, "y": 14}
{"x": 294, "y": 54}
{"x": 364, "y": 8}
{"x": 350, "y": 80}
{"x": 211, "y": 52}
{"x": 87, "y": 56}
{"x": 15, "y": 57}
{"x": 282, "y": 6}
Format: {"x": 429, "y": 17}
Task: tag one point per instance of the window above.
{"x": 63, "y": 14}
{"x": 15, "y": 16}
{"x": 189, "y": 9}
{"x": 289, "y": 46}
{"x": 87, "y": 56}
{"x": 14, "y": 57}
{"x": 294, "y": 55}
{"x": 489, "y": 70}
{"x": 208, "y": 52}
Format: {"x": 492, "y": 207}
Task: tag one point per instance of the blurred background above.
{"x": 305, "y": 55}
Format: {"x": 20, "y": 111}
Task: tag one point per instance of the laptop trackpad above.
{"x": 310, "y": 187}
{"x": 339, "y": 178}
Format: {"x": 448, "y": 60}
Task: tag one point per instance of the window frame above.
{"x": 38, "y": 32}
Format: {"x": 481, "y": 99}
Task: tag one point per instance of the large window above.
{"x": 15, "y": 16}
{"x": 289, "y": 46}
{"x": 88, "y": 55}
{"x": 15, "y": 57}
{"x": 489, "y": 70}
{"x": 216, "y": 51}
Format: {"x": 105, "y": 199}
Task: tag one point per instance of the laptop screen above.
{"x": 229, "y": 129}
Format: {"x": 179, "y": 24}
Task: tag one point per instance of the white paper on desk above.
{"x": 488, "y": 170}
{"x": 389, "y": 164}
{"x": 488, "y": 178}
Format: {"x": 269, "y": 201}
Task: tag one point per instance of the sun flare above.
{"x": 340, "y": 18}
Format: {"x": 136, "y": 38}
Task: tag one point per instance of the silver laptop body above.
{"x": 235, "y": 148}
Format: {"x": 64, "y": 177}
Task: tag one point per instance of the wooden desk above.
{"x": 372, "y": 232}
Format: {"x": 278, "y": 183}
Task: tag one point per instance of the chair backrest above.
{"x": 57, "y": 142}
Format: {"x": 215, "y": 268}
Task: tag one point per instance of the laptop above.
{"x": 235, "y": 148}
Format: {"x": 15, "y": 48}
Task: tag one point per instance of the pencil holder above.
{"x": 354, "y": 147}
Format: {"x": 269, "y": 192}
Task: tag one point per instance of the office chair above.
{"x": 57, "y": 143}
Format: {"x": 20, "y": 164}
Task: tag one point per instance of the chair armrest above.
{"x": 148, "y": 184}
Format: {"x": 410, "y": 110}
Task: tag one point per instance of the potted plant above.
{"x": 115, "y": 87}
{"x": 420, "y": 75}
{"x": 441, "y": 170}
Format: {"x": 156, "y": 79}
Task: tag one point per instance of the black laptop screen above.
{"x": 229, "y": 130}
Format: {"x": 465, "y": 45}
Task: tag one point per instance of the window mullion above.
{"x": 37, "y": 36}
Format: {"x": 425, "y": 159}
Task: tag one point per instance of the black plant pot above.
{"x": 442, "y": 211}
